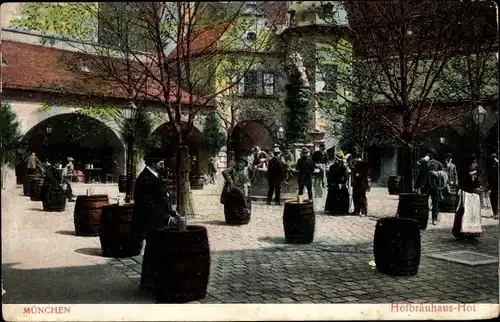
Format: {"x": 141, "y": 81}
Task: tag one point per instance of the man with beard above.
{"x": 152, "y": 209}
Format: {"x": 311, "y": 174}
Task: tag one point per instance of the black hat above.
{"x": 155, "y": 154}
{"x": 448, "y": 155}
{"x": 431, "y": 151}
{"x": 242, "y": 158}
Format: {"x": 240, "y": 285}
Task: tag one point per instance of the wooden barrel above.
{"x": 299, "y": 221}
{"x": 55, "y": 199}
{"x": 450, "y": 201}
{"x": 88, "y": 213}
{"x": 414, "y": 206}
{"x": 396, "y": 246}
{"x": 27, "y": 184}
{"x": 239, "y": 217}
{"x": 36, "y": 189}
{"x": 196, "y": 183}
{"x": 116, "y": 233}
{"x": 181, "y": 263}
{"x": 393, "y": 185}
{"x": 122, "y": 183}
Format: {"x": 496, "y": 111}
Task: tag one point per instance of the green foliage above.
{"x": 213, "y": 137}
{"x": 68, "y": 20}
{"x": 299, "y": 114}
{"x": 11, "y": 147}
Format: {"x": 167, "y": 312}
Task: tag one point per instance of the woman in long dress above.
{"x": 337, "y": 200}
{"x": 469, "y": 184}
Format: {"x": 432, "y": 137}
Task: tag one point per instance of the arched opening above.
{"x": 194, "y": 143}
{"x": 248, "y": 134}
{"x": 84, "y": 138}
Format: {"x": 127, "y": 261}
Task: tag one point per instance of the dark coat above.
{"x": 493, "y": 175}
{"x": 468, "y": 182}
{"x": 305, "y": 168}
{"x": 52, "y": 176}
{"x": 424, "y": 169}
{"x": 337, "y": 174}
{"x": 152, "y": 207}
{"x": 276, "y": 171}
{"x": 360, "y": 175}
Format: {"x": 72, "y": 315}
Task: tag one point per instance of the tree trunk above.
{"x": 184, "y": 198}
{"x": 229, "y": 150}
{"x": 407, "y": 159}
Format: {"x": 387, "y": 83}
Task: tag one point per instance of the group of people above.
{"x": 52, "y": 178}
{"x": 437, "y": 180}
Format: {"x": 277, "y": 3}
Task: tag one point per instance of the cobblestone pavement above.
{"x": 252, "y": 264}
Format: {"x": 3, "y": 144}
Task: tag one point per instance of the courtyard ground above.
{"x": 43, "y": 261}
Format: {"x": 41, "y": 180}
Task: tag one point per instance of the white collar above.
{"x": 153, "y": 171}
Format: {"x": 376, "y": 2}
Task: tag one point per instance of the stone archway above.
{"x": 84, "y": 138}
{"x": 251, "y": 133}
{"x": 194, "y": 143}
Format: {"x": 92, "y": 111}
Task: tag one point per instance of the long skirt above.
{"x": 337, "y": 201}
{"x": 460, "y": 230}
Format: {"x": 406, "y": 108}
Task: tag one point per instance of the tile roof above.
{"x": 40, "y": 68}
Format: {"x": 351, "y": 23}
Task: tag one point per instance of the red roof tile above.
{"x": 203, "y": 41}
{"x": 41, "y": 68}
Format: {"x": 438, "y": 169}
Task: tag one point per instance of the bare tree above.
{"x": 393, "y": 54}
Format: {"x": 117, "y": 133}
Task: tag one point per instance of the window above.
{"x": 328, "y": 76}
{"x": 268, "y": 83}
{"x": 251, "y": 83}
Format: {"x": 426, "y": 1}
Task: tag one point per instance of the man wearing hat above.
{"x": 276, "y": 174}
{"x": 152, "y": 208}
{"x": 451, "y": 170}
{"x": 33, "y": 163}
{"x": 234, "y": 194}
{"x": 68, "y": 171}
{"x": 320, "y": 159}
{"x": 337, "y": 200}
{"x": 430, "y": 171}
{"x": 305, "y": 169}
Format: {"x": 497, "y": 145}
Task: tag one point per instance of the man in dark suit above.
{"x": 305, "y": 168}
{"x": 152, "y": 208}
{"x": 276, "y": 174}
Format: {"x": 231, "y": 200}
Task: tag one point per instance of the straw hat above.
{"x": 340, "y": 155}
{"x": 71, "y": 159}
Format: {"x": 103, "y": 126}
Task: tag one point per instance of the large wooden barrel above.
{"x": 36, "y": 189}
{"x": 122, "y": 183}
{"x": 54, "y": 199}
{"x": 414, "y": 206}
{"x": 88, "y": 213}
{"x": 396, "y": 246}
{"x": 450, "y": 201}
{"x": 299, "y": 221}
{"x": 27, "y": 184}
{"x": 116, "y": 234}
{"x": 196, "y": 183}
{"x": 393, "y": 185}
{"x": 181, "y": 262}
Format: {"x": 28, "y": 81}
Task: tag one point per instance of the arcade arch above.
{"x": 251, "y": 133}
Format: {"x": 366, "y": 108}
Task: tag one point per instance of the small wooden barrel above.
{"x": 238, "y": 217}
{"x": 396, "y": 246}
{"x": 181, "y": 262}
{"x": 122, "y": 183}
{"x": 36, "y": 189}
{"x": 88, "y": 213}
{"x": 414, "y": 206}
{"x": 196, "y": 183}
{"x": 55, "y": 199}
{"x": 393, "y": 185}
{"x": 27, "y": 184}
{"x": 299, "y": 221}
{"x": 116, "y": 233}
{"x": 450, "y": 201}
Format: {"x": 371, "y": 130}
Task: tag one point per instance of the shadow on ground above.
{"x": 215, "y": 222}
{"x": 90, "y": 251}
{"x": 73, "y": 285}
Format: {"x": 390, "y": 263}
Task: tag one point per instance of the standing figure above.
{"x": 305, "y": 169}
{"x": 337, "y": 200}
{"x": 493, "y": 183}
{"x": 320, "y": 159}
{"x": 360, "y": 185}
{"x": 33, "y": 163}
{"x": 467, "y": 223}
{"x": 276, "y": 174}
{"x": 68, "y": 171}
{"x": 259, "y": 158}
{"x": 451, "y": 170}
{"x": 152, "y": 209}
{"x": 212, "y": 170}
{"x": 234, "y": 195}
{"x": 431, "y": 180}
{"x": 51, "y": 180}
